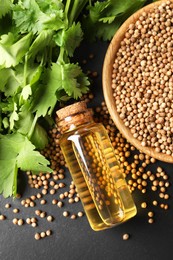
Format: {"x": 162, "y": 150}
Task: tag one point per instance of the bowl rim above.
{"x": 107, "y": 81}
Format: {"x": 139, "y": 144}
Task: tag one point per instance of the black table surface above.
{"x": 74, "y": 239}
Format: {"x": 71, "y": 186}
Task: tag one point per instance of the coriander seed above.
{"x": 2, "y": 217}
{"x": 20, "y": 222}
{"x": 126, "y": 236}
{"x": 42, "y": 234}
{"x": 7, "y": 206}
{"x": 49, "y": 218}
{"x": 37, "y": 236}
{"x": 48, "y": 232}
{"x": 65, "y": 213}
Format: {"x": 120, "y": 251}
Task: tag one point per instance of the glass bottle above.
{"x": 96, "y": 173}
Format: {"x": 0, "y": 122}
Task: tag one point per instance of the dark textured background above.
{"x": 74, "y": 239}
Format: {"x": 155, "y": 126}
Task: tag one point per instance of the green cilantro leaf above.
{"x": 12, "y": 53}
{"x": 29, "y": 16}
{"x": 5, "y": 7}
{"x": 16, "y": 151}
{"x": 26, "y": 118}
{"x": 54, "y": 21}
{"x": 7, "y": 60}
{"x": 66, "y": 77}
{"x": 39, "y": 137}
{"x": 26, "y": 92}
{"x": 23, "y": 125}
{"x": 44, "y": 99}
{"x": 8, "y": 176}
{"x": 50, "y": 6}
{"x": 14, "y": 116}
{"x": 70, "y": 83}
{"x": 103, "y": 16}
{"x": 5, "y": 75}
{"x": 39, "y": 44}
{"x": 70, "y": 39}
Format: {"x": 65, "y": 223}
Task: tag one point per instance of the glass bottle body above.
{"x": 100, "y": 183}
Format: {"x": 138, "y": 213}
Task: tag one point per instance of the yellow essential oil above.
{"x": 90, "y": 158}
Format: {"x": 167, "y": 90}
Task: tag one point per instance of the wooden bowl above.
{"x": 107, "y": 89}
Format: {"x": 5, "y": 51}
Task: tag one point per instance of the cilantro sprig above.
{"x": 38, "y": 38}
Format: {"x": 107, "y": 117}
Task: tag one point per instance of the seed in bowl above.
{"x": 142, "y": 78}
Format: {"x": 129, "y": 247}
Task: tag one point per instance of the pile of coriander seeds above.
{"x": 142, "y": 78}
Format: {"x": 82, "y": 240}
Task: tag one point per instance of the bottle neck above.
{"x": 74, "y": 121}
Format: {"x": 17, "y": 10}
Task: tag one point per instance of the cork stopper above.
{"x": 72, "y": 116}
{"x": 71, "y": 110}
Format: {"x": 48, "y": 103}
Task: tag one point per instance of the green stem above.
{"x": 14, "y": 191}
{"x": 32, "y": 127}
{"x": 76, "y": 10}
{"x": 61, "y": 55}
{"x": 50, "y": 56}
{"x": 0, "y": 116}
{"x": 25, "y": 70}
{"x": 24, "y": 77}
{"x": 67, "y": 6}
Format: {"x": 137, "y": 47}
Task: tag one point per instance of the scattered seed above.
{"x": 33, "y": 225}
{"x": 20, "y": 222}
{"x": 37, "y": 236}
{"x": 2, "y": 217}
{"x": 54, "y": 201}
{"x": 42, "y": 234}
{"x": 50, "y": 218}
{"x": 15, "y": 221}
{"x": 56, "y": 187}
{"x": 48, "y": 232}
{"x": 23, "y": 202}
{"x": 73, "y": 216}
{"x": 150, "y": 214}
{"x": 15, "y": 210}
{"x": 76, "y": 199}
{"x": 80, "y": 214}
{"x": 61, "y": 196}
{"x": 61, "y": 185}
{"x": 44, "y": 191}
{"x": 43, "y": 202}
{"x": 126, "y": 236}
{"x": 60, "y": 204}
{"x": 65, "y": 213}
{"x": 52, "y": 183}
{"x": 33, "y": 197}
{"x": 71, "y": 200}
{"x": 143, "y": 205}
{"x": 32, "y": 204}
{"x": 18, "y": 196}
{"x": 39, "y": 195}
{"x": 150, "y": 221}
{"x": 28, "y": 201}
{"x": 33, "y": 220}
{"x": 42, "y": 214}
{"x": 38, "y": 212}
{"x": 52, "y": 191}
{"x": 66, "y": 194}
{"x": 7, "y": 206}
{"x": 166, "y": 206}
{"x": 166, "y": 196}
{"x": 28, "y": 221}
{"x": 155, "y": 203}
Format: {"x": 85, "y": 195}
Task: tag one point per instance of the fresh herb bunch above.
{"x": 37, "y": 41}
